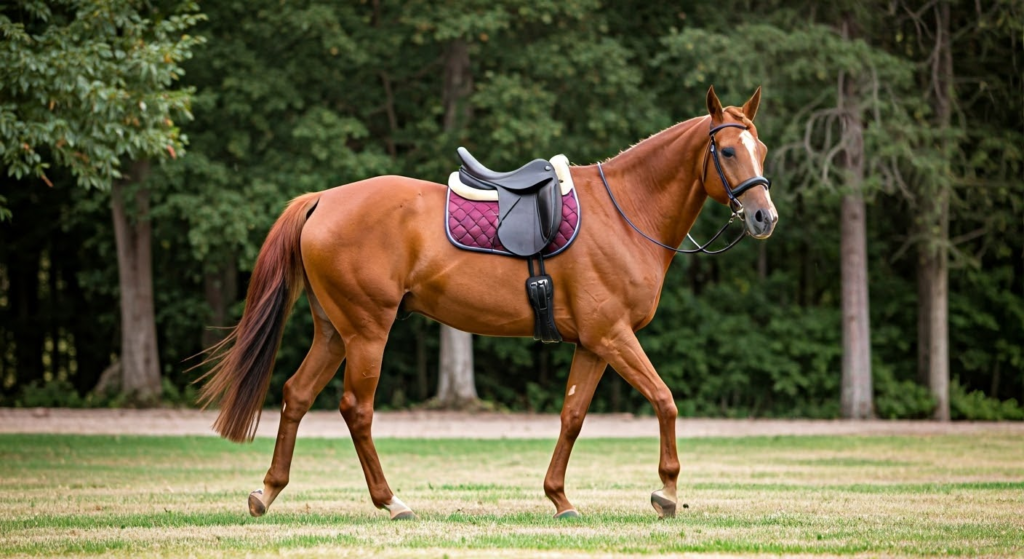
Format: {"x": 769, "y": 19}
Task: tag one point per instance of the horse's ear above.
{"x": 714, "y": 106}
{"x": 750, "y": 107}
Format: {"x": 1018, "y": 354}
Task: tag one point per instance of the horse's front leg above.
{"x": 623, "y": 352}
{"x": 587, "y": 369}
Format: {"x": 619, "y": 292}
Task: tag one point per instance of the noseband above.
{"x": 733, "y": 193}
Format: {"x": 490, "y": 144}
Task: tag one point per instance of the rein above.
{"x": 733, "y": 193}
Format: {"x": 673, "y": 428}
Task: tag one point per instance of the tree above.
{"x": 826, "y": 152}
{"x": 933, "y": 248}
{"x": 88, "y": 87}
{"x": 856, "y": 397}
{"x": 456, "y": 386}
{"x": 301, "y": 96}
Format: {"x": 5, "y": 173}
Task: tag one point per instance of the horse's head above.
{"x": 734, "y": 176}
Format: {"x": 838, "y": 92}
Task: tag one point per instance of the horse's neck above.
{"x": 658, "y": 181}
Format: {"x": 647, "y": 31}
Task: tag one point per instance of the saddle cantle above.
{"x": 529, "y": 202}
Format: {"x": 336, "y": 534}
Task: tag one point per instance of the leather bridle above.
{"x": 733, "y": 193}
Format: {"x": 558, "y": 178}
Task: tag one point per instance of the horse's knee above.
{"x": 572, "y": 424}
{"x": 665, "y": 405}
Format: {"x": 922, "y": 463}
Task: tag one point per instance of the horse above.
{"x": 368, "y": 250}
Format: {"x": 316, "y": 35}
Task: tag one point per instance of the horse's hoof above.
{"x": 404, "y": 515}
{"x": 571, "y": 513}
{"x": 666, "y": 507}
{"x": 256, "y": 506}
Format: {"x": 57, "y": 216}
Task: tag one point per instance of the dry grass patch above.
{"x": 809, "y": 496}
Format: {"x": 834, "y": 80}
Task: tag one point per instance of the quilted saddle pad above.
{"x": 473, "y": 224}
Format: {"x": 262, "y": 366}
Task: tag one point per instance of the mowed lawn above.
{"x": 186, "y": 497}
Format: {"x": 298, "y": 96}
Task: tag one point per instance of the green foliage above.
{"x": 900, "y": 399}
{"x": 744, "y": 356}
{"x": 976, "y": 406}
{"x": 301, "y": 96}
{"x": 87, "y": 83}
{"x": 62, "y": 394}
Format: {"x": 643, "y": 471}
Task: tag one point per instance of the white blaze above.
{"x": 751, "y": 144}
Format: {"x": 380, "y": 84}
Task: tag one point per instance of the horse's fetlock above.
{"x": 276, "y": 481}
{"x": 381, "y": 499}
{"x": 553, "y": 488}
{"x": 669, "y": 471}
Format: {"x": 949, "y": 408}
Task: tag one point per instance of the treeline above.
{"x": 177, "y": 145}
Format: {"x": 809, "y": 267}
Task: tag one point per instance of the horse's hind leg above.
{"x": 317, "y": 369}
{"x": 587, "y": 369}
{"x": 362, "y": 374}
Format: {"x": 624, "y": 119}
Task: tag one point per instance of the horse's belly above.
{"x": 483, "y": 294}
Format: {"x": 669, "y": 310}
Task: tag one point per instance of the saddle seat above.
{"x": 529, "y": 201}
{"x": 522, "y": 179}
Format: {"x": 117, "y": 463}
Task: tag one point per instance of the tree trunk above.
{"x": 856, "y": 382}
{"x": 856, "y": 390}
{"x": 421, "y": 358}
{"x": 458, "y": 85}
{"x": 933, "y": 264}
{"x": 28, "y": 331}
{"x": 140, "y": 362}
{"x": 924, "y": 312}
{"x": 221, "y": 290}
{"x": 933, "y": 261}
{"x": 456, "y": 386}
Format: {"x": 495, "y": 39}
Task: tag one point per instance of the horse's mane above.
{"x": 678, "y": 127}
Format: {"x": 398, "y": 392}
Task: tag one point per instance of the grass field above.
{"x": 186, "y": 496}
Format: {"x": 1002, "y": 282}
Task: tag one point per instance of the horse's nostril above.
{"x": 759, "y": 216}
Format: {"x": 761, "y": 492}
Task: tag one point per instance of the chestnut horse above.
{"x": 371, "y": 249}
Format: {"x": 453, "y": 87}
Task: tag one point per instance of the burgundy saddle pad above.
{"x": 473, "y": 225}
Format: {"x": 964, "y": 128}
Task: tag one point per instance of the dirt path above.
{"x": 424, "y": 424}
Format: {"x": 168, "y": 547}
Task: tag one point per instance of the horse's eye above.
{"x": 728, "y": 152}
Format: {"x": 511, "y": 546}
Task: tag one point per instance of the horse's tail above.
{"x": 240, "y": 377}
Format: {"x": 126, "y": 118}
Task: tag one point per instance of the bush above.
{"x": 976, "y": 406}
{"x": 900, "y": 399}
{"x": 62, "y": 394}
{"x": 55, "y": 394}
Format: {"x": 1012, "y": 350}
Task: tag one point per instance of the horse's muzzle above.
{"x": 760, "y": 222}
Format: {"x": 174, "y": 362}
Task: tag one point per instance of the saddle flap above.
{"x": 527, "y": 224}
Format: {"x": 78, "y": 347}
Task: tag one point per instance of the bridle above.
{"x": 733, "y": 193}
